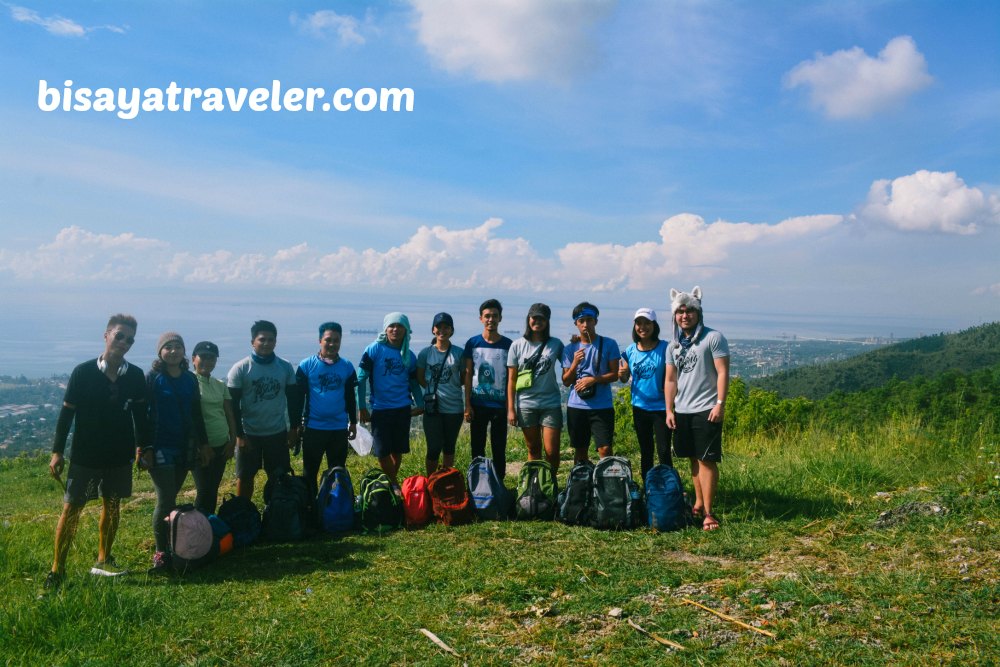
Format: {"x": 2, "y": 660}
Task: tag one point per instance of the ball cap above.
{"x": 648, "y": 313}
{"x": 205, "y": 347}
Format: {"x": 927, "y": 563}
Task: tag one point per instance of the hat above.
{"x": 443, "y": 318}
{"x": 540, "y": 310}
{"x": 648, "y": 313}
{"x": 168, "y": 337}
{"x": 205, "y": 347}
{"x": 678, "y": 299}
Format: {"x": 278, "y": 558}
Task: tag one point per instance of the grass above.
{"x": 802, "y": 553}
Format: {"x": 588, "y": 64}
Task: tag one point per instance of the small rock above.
{"x": 963, "y": 568}
{"x": 615, "y": 613}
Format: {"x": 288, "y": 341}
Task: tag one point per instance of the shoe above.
{"x": 161, "y": 563}
{"x": 53, "y": 581}
{"x": 109, "y": 567}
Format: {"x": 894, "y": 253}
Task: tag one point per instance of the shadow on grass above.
{"x": 769, "y": 504}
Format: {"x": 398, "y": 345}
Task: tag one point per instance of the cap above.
{"x": 648, "y": 313}
{"x": 540, "y": 310}
{"x": 443, "y": 318}
{"x": 205, "y": 347}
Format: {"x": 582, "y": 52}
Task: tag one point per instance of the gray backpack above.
{"x": 489, "y": 495}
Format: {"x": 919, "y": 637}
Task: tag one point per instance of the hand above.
{"x": 583, "y": 383}
{"x": 205, "y": 455}
{"x": 671, "y": 420}
{"x": 415, "y": 412}
{"x": 578, "y": 357}
{"x": 56, "y": 464}
{"x": 365, "y": 416}
{"x": 229, "y": 449}
{"x": 469, "y": 414}
{"x": 241, "y": 441}
{"x": 145, "y": 461}
{"x": 717, "y": 413}
{"x": 294, "y": 437}
{"x": 352, "y": 431}
{"x": 512, "y": 417}
{"x": 623, "y": 374}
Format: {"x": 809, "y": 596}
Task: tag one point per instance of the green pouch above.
{"x": 525, "y": 379}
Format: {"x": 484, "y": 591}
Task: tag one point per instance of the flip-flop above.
{"x": 714, "y": 525}
{"x": 696, "y": 512}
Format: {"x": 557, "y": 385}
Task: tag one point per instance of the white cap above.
{"x": 648, "y": 313}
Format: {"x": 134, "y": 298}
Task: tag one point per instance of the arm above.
{"x": 237, "y": 395}
{"x": 722, "y": 388}
{"x": 467, "y": 380}
{"x": 569, "y": 372}
{"x": 364, "y": 368}
{"x": 670, "y": 393}
{"x": 624, "y": 373}
{"x": 511, "y": 395}
{"x": 227, "y": 407}
{"x": 293, "y": 401}
{"x": 198, "y": 420}
{"x": 57, "y": 461}
{"x": 417, "y": 394}
{"x": 351, "y": 405}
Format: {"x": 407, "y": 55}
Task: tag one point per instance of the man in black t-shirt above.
{"x": 106, "y": 400}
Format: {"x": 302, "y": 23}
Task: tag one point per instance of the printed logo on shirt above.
{"x": 265, "y": 389}
{"x": 543, "y": 366}
{"x": 393, "y": 367}
{"x": 447, "y": 372}
{"x": 684, "y": 360}
{"x": 644, "y": 370}
{"x": 330, "y": 382}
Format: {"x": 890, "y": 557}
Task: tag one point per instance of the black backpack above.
{"x": 243, "y": 518}
{"x": 575, "y": 499}
{"x": 380, "y": 509}
{"x": 286, "y": 508}
{"x": 536, "y": 492}
{"x": 617, "y": 502}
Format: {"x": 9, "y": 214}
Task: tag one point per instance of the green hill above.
{"x": 965, "y": 352}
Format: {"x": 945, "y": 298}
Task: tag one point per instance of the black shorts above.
{"x": 582, "y": 424}
{"x": 269, "y": 451}
{"x": 441, "y": 432}
{"x": 390, "y": 432}
{"x": 697, "y": 438}
{"x": 83, "y": 483}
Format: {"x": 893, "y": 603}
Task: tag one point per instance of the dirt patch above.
{"x": 904, "y": 512}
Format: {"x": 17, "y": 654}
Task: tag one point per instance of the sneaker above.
{"x": 53, "y": 581}
{"x": 161, "y": 563}
{"x": 109, "y": 567}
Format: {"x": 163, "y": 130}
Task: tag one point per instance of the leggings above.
{"x": 167, "y": 480}
{"x": 650, "y": 426}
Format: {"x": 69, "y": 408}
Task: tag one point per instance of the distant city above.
{"x": 29, "y": 406}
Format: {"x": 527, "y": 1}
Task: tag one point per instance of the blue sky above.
{"x": 821, "y": 158}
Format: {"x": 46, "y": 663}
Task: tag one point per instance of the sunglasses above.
{"x": 119, "y": 336}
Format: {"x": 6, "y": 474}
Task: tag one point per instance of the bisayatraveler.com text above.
{"x": 128, "y": 103}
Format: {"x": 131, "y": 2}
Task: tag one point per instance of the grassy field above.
{"x": 857, "y": 548}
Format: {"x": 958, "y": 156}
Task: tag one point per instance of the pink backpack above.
{"x": 416, "y": 502}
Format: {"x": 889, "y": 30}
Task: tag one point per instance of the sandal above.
{"x": 710, "y": 523}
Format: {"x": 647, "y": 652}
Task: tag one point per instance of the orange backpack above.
{"x": 450, "y": 498}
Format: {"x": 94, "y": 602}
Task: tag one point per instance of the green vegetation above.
{"x": 873, "y": 544}
{"x": 964, "y": 352}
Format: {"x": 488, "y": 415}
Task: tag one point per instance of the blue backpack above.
{"x": 243, "y": 517}
{"x": 666, "y": 507}
{"x": 489, "y": 495}
{"x": 335, "y": 501}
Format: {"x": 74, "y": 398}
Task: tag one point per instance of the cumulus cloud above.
{"x": 327, "y": 23}
{"x": 930, "y": 201}
{"x": 476, "y": 257}
{"x": 852, "y": 84}
{"x": 511, "y": 40}
{"x": 57, "y": 25}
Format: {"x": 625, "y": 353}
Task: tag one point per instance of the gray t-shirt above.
{"x": 697, "y": 378}
{"x": 451, "y": 394}
{"x": 263, "y": 401}
{"x": 544, "y": 391}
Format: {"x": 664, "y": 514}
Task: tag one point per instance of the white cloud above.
{"x": 852, "y": 84}
{"x": 511, "y": 40}
{"x": 57, "y": 25}
{"x": 930, "y": 201}
{"x": 325, "y": 22}
{"x": 991, "y": 290}
{"x": 449, "y": 259}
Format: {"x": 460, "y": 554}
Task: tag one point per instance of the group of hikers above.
{"x": 170, "y": 420}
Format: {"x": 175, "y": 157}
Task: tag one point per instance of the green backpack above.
{"x": 536, "y": 491}
{"x": 379, "y": 508}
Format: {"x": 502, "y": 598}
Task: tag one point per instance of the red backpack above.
{"x": 416, "y": 502}
{"x": 450, "y": 498}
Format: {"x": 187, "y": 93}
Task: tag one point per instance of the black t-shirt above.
{"x": 109, "y": 415}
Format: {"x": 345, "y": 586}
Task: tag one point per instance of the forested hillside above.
{"x": 965, "y": 352}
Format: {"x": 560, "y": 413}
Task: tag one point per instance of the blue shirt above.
{"x": 648, "y": 369}
{"x": 391, "y": 382}
{"x": 489, "y": 371}
{"x": 588, "y": 368}
{"x": 325, "y": 387}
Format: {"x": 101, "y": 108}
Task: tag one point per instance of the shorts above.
{"x": 83, "y": 483}
{"x": 582, "y": 424}
{"x": 532, "y": 417}
{"x": 697, "y": 438}
{"x": 390, "y": 432}
{"x": 267, "y": 451}
{"x": 441, "y": 432}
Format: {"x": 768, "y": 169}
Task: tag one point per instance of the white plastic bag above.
{"x": 362, "y": 444}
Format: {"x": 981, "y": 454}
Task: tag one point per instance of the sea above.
{"x": 48, "y": 332}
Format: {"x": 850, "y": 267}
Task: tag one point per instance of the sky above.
{"x": 794, "y": 159}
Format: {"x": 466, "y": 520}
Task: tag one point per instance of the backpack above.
{"x": 666, "y": 506}
{"x": 575, "y": 499}
{"x": 491, "y": 498}
{"x": 335, "y": 501}
{"x": 616, "y": 495}
{"x": 379, "y": 507}
{"x": 536, "y": 491}
{"x": 191, "y": 538}
{"x": 286, "y": 508}
{"x": 449, "y": 498}
{"x": 243, "y": 518}
{"x": 416, "y": 502}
